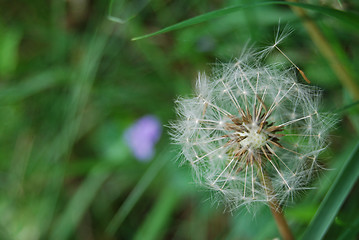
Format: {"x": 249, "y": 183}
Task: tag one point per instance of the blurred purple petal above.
{"x": 142, "y": 137}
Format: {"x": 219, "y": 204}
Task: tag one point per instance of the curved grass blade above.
{"x": 335, "y": 197}
{"x": 349, "y": 18}
{"x": 347, "y": 107}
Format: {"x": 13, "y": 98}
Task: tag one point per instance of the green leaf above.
{"x": 349, "y": 18}
{"x": 335, "y": 197}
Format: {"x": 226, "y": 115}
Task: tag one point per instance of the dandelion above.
{"x": 252, "y": 133}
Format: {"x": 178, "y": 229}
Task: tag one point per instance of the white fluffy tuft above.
{"x": 239, "y": 169}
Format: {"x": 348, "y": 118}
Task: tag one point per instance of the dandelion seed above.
{"x": 281, "y": 34}
{"x": 252, "y": 133}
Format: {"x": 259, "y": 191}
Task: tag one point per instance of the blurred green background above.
{"x": 72, "y": 82}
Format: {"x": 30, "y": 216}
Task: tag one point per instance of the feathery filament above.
{"x": 252, "y": 132}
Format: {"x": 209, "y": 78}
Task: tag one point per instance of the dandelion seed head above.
{"x": 252, "y": 133}
{"x": 253, "y": 139}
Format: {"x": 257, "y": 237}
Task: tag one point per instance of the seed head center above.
{"x": 254, "y": 139}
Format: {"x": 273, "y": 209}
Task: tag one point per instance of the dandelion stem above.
{"x": 279, "y": 218}
{"x": 277, "y": 211}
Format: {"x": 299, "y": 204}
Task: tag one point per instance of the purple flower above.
{"x": 142, "y": 136}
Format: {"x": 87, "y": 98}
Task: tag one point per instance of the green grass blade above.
{"x": 126, "y": 9}
{"x": 351, "y": 19}
{"x": 9, "y": 48}
{"x": 346, "y": 107}
{"x": 80, "y": 202}
{"x": 33, "y": 85}
{"x": 136, "y": 193}
{"x": 160, "y": 216}
{"x": 59, "y": 149}
{"x": 351, "y": 231}
{"x": 334, "y": 198}
{"x": 347, "y": 17}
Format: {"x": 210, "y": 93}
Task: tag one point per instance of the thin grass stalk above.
{"x": 324, "y": 47}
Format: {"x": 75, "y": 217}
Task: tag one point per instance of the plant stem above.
{"x": 324, "y": 47}
{"x": 279, "y": 218}
{"x": 276, "y": 210}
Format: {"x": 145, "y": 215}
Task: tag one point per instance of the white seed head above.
{"x": 253, "y": 139}
{"x": 252, "y": 133}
